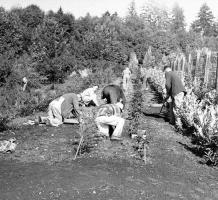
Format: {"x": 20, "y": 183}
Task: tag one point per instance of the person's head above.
{"x": 25, "y": 80}
{"x": 167, "y": 68}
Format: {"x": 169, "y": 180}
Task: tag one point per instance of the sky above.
{"x": 80, "y": 8}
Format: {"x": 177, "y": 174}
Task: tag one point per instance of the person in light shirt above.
{"x": 110, "y": 115}
{"x": 89, "y": 96}
{"x": 126, "y": 78}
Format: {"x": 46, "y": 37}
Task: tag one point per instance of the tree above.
{"x": 155, "y": 16}
{"x": 178, "y": 19}
{"x": 11, "y": 35}
{"x": 132, "y": 20}
{"x": 204, "y": 23}
{"x": 49, "y": 50}
{"x": 32, "y": 16}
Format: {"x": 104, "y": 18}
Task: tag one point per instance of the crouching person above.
{"x": 89, "y": 97}
{"x": 110, "y": 115}
{"x": 62, "y": 109}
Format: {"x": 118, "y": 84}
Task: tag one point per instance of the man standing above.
{"x": 126, "y": 78}
{"x": 176, "y": 90}
{"x": 110, "y": 115}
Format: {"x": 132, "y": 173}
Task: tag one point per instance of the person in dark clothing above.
{"x": 176, "y": 90}
{"x": 113, "y": 94}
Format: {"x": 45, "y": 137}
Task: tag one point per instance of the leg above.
{"x": 124, "y": 83}
{"x": 178, "y": 99}
{"x": 171, "y": 113}
{"x": 119, "y": 128}
{"x": 102, "y": 126}
{"x": 116, "y": 121}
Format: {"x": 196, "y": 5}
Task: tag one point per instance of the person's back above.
{"x": 70, "y": 102}
{"x": 113, "y": 94}
{"x": 173, "y": 83}
{"x": 109, "y": 110}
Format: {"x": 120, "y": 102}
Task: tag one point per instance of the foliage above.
{"x": 205, "y": 21}
{"x": 178, "y": 19}
{"x": 198, "y": 115}
{"x": 47, "y": 47}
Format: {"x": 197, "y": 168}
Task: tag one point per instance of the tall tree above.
{"x": 132, "y": 19}
{"x": 178, "y": 19}
{"x": 155, "y": 15}
{"x": 204, "y": 23}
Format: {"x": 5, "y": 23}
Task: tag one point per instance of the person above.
{"x": 145, "y": 75}
{"x": 174, "y": 89}
{"x": 63, "y": 108}
{"x": 110, "y": 115}
{"x": 25, "y": 81}
{"x": 126, "y": 78}
{"x": 27, "y": 85}
{"x": 89, "y": 96}
{"x": 113, "y": 94}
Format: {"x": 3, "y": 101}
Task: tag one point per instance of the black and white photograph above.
{"x": 108, "y": 100}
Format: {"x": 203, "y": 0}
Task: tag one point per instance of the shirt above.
{"x": 174, "y": 84}
{"x": 113, "y": 94}
{"x": 70, "y": 105}
{"x": 109, "y": 110}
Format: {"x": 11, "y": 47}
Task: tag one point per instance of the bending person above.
{"x": 64, "y": 107}
{"x": 113, "y": 94}
{"x": 89, "y": 96}
{"x": 110, "y": 115}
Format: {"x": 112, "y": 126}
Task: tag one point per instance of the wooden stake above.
{"x": 217, "y": 73}
{"x": 81, "y": 139}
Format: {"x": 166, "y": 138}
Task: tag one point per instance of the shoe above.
{"x": 116, "y": 138}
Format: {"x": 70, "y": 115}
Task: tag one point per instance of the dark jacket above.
{"x": 70, "y": 105}
{"x": 113, "y": 94}
{"x": 174, "y": 84}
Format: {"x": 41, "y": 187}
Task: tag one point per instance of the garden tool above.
{"x": 81, "y": 130}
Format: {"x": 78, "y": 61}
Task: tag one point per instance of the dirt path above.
{"x": 43, "y": 166}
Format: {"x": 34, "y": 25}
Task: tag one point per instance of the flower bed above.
{"x": 135, "y": 109}
{"x": 197, "y": 117}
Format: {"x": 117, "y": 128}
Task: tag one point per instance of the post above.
{"x": 217, "y": 73}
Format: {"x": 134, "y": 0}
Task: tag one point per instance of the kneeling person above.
{"x": 63, "y": 108}
{"x": 110, "y": 115}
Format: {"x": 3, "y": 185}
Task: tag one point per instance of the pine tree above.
{"x": 178, "y": 19}
{"x": 204, "y": 23}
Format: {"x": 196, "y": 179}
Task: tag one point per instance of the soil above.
{"x": 43, "y": 165}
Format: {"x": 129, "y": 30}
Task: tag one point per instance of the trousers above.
{"x": 174, "y": 106}
{"x": 103, "y": 123}
{"x": 126, "y": 79}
